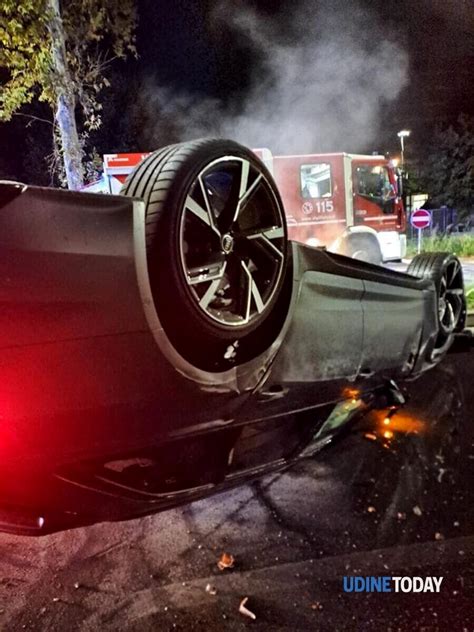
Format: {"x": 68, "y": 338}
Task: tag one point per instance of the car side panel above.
{"x": 393, "y": 326}
{"x": 326, "y": 332}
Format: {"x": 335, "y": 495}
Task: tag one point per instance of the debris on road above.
{"x": 226, "y": 561}
{"x": 417, "y": 511}
{"x": 211, "y": 589}
{"x": 245, "y": 611}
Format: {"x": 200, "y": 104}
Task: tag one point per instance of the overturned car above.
{"x": 167, "y": 343}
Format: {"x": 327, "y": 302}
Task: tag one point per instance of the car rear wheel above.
{"x": 446, "y": 271}
{"x": 216, "y": 248}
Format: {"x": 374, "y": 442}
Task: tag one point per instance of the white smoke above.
{"x": 320, "y": 82}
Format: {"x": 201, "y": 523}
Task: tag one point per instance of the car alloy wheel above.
{"x": 231, "y": 242}
{"x": 450, "y": 300}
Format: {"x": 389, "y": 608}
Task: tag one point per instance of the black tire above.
{"x": 363, "y": 247}
{"x": 216, "y": 248}
{"x": 445, "y": 270}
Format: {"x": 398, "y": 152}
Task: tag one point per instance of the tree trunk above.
{"x": 65, "y": 113}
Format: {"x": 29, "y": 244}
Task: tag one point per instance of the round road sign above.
{"x": 420, "y": 219}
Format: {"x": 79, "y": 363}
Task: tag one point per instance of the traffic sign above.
{"x": 420, "y": 219}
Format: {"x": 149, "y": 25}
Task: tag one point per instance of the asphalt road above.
{"x": 401, "y": 506}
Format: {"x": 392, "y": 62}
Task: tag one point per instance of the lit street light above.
{"x": 402, "y": 134}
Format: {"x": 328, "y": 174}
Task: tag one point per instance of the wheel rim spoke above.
{"x": 204, "y": 215}
{"x": 450, "y": 299}
{"x": 226, "y": 218}
{"x": 206, "y": 274}
{"x": 238, "y": 282}
{"x": 449, "y": 317}
{"x": 210, "y": 293}
{"x": 244, "y": 178}
{"x": 245, "y": 196}
{"x": 208, "y": 205}
{"x": 443, "y": 287}
{"x": 249, "y": 291}
{"x": 252, "y": 292}
{"x": 456, "y": 302}
{"x": 267, "y": 235}
{"x": 455, "y": 269}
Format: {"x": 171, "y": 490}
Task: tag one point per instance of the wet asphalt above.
{"x": 394, "y": 505}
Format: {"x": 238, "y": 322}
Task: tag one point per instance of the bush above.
{"x": 463, "y": 246}
{"x": 470, "y": 298}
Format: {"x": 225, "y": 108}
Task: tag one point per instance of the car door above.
{"x": 393, "y": 320}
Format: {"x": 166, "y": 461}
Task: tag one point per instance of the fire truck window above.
{"x": 373, "y": 182}
{"x": 316, "y": 180}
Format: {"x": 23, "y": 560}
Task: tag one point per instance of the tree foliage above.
{"x": 449, "y": 172}
{"x": 24, "y": 53}
{"x": 93, "y": 32}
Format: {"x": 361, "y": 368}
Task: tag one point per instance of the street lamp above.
{"x": 402, "y": 134}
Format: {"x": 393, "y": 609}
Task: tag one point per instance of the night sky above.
{"x": 183, "y": 48}
{"x": 178, "y": 44}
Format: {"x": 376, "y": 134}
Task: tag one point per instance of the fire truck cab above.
{"x": 347, "y": 202}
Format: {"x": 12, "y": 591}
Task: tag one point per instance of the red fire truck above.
{"x": 348, "y": 202}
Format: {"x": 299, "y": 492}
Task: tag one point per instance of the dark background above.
{"x": 181, "y": 47}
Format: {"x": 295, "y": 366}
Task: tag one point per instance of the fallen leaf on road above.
{"x": 245, "y": 611}
{"x": 226, "y": 561}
